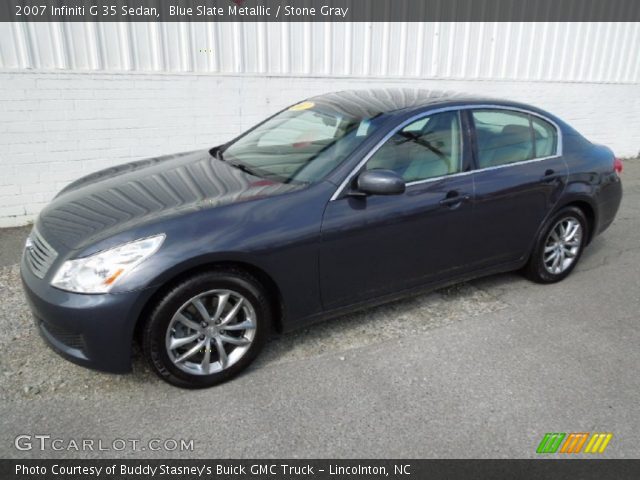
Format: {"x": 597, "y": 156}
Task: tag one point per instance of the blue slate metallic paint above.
{"x": 320, "y": 256}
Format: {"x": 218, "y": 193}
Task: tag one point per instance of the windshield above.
{"x": 301, "y": 144}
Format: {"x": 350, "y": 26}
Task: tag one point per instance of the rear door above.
{"x": 520, "y": 177}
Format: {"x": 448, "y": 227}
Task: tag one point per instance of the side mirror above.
{"x": 380, "y": 182}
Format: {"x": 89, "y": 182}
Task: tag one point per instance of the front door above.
{"x": 376, "y": 245}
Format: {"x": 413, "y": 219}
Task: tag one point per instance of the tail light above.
{"x": 617, "y": 165}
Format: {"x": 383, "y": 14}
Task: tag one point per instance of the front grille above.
{"x": 40, "y": 255}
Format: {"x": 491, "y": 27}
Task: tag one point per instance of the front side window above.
{"x": 301, "y": 144}
{"x": 505, "y": 137}
{"x": 428, "y": 148}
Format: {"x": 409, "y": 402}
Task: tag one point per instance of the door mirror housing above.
{"x": 380, "y": 182}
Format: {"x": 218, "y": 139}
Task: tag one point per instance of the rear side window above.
{"x": 503, "y": 137}
{"x": 506, "y": 137}
{"x": 546, "y": 137}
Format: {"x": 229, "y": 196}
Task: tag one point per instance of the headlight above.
{"x": 100, "y": 272}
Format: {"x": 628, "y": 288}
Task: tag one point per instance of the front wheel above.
{"x": 207, "y": 328}
{"x": 559, "y": 247}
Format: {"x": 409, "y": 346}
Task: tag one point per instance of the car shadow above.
{"x": 401, "y": 318}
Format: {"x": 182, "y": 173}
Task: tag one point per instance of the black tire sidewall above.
{"x": 537, "y": 269}
{"x": 156, "y": 328}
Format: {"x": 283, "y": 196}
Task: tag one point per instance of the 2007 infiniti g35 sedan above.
{"x": 338, "y": 202}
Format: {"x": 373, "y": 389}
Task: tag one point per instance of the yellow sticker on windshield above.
{"x": 302, "y": 106}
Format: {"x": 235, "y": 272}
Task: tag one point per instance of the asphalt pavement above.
{"x": 482, "y": 369}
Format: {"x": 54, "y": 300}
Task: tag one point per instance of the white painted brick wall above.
{"x": 56, "y": 127}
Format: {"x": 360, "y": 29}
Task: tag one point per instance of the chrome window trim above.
{"x": 421, "y": 115}
{"x": 495, "y": 167}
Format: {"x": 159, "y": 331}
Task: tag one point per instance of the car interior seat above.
{"x": 512, "y": 145}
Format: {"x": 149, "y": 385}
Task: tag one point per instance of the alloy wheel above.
{"x": 211, "y": 332}
{"x": 562, "y": 245}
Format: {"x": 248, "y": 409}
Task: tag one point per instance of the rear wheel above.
{"x": 207, "y": 329}
{"x": 559, "y": 246}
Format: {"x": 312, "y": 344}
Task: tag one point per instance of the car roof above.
{"x": 373, "y": 102}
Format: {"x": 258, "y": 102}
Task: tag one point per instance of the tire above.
{"x": 546, "y": 246}
{"x": 178, "y": 320}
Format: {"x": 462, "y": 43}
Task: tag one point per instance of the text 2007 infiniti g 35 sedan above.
{"x": 335, "y": 203}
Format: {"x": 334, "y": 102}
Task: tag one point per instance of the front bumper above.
{"x": 94, "y": 331}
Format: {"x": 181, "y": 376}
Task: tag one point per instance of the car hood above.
{"x": 134, "y": 194}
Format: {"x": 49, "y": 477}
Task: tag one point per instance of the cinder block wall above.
{"x": 56, "y": 127}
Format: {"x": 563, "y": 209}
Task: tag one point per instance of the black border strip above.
{"x": 325, "y": 469}
{"x": 318, "y": 10}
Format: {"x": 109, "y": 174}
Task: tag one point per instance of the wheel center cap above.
{"x": 211, "y": 331}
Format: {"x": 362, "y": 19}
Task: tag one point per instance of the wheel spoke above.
{"x": 222, "y": 354}
{"x": 573, "y": 243}
{"x": 567, "y": 232}
{"x": 572, "y": 231}
{"x": 239, "y": 341}
{"x": 201, "y": 309}
{"x": 191, "y": 352}
{"x": 188, "y": 323}
{"x": 179, "y": 342}
{"x": 549, "y": 248}
{"x": 246, "y": 325}
{"x": 222, "y": 302}
{"x": 232, "y": 314}
{"x": 206, "y": 358}
{"x": 553, "y": 255}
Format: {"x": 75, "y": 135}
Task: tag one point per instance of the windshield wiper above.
{"x": 245, "y": 168}
{"x": 217, "y": 152}
{"x": 412, "y": 137}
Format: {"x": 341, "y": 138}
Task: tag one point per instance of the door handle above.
{"x": 549, "y": 176}
{"x": 454, "y": 199}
